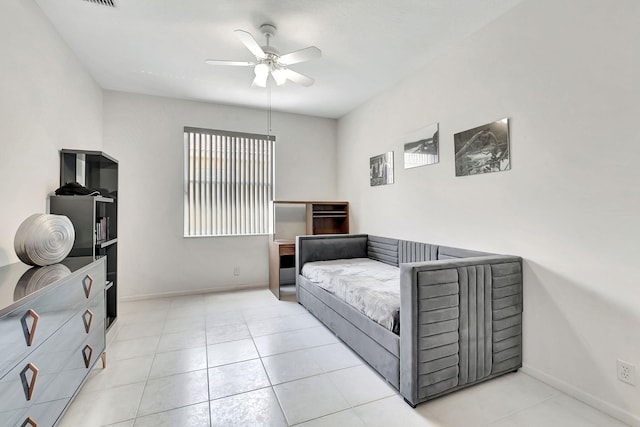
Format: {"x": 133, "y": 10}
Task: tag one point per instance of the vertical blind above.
{"x": 228, "y": 182}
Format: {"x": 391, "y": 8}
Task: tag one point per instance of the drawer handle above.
{"x": 87, "y": 322}
{"x": 29, "y": 421}
{"x": 87, "y": 284}
{"x": 29, "y": 335}
{"x": 87, "y": 357}
{"x": 29, "y": 386}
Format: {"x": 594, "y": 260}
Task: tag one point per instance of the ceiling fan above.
{"x": 269, "y": 62}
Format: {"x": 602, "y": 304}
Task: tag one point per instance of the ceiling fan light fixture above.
{"x": 262, "y": 74}
{"x": 261, "y": 70}
{"x": 268, "y": 59}
{"x": 279, "y": 76}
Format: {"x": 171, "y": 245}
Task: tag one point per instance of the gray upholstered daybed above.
{"x": 460, "y": 311}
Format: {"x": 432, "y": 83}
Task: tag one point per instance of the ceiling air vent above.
{"x": 109, "y": 3}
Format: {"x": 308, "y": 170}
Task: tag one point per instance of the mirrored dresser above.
{"x": 52, "y": 332}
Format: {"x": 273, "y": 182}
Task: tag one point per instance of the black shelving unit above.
{"x": 95, "y": 218}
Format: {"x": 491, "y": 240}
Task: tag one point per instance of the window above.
{"x": 228, "y": 182}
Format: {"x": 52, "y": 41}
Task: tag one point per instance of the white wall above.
{"x": 47, "y": 102}
{"x": 566, "y": 73}
{"x": 145, "y": 134}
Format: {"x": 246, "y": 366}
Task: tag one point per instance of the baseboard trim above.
{"x": 225, "y": 288}
{"x": 589, "y": 399}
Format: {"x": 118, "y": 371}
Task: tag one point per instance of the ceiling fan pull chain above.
{"x": 269, "y": 105}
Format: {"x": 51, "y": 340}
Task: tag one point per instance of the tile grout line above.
{"x": 260, "y": 357}
{"x": 346, "y": 409}
{"x": 283, "y": 332}
{"x": 300, "y": 349}
{"x": 146, "y": 382}
{"x": 206, "y": 354}
{"x": 350, "y": 407}
{"x": 273, "y": 390}
{"x": 517, "y": 411}
{"x": 271, "y": 385}
{"x": 174, "y": 374}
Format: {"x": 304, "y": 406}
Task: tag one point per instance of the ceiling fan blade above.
{"x": 251, "y": 43}
{"x": 298, "y": 78}
{"x": 232, "y": 63}
{"x": 306, "y": 54}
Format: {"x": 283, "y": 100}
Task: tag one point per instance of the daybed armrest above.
{"x": 460, "y": 322}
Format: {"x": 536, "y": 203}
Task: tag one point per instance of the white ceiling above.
{"x": 158, "y": 47}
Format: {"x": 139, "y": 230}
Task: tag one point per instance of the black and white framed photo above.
{"x": 483, "y": 149}
{"x": 381, "y": 169}
{"x": 422, "y": 148}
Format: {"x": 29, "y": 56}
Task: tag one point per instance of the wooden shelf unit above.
{"x": 328, "y": 218}
{"x": 321, "y": 217}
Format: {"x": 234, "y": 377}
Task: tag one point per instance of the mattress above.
{"x": 371, "y": 287}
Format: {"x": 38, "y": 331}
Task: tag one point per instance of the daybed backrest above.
{"x": 445, "y": 252}
{"x": 395, "y": 251}
{"x": 409, "y": 251}
{"x": 383, "y": 249}
{"x": 325, "y": 248}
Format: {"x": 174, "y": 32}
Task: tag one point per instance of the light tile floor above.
{"x": 247, "y": 359}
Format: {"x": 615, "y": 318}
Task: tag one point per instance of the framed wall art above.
{"x": 422, "y": 148}
{"x": 483, "y": 149}
{"x": 381, "y": 169}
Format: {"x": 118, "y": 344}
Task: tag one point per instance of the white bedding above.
{"x": 372, "y": 287}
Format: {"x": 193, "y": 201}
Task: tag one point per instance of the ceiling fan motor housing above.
{"x": 268, "y": 30}
{"x": 272, "y": 54}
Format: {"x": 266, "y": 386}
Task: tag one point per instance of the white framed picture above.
{"x": 381, "y": 169}
{"x": 483, "y": 149}
{"x": 422, "y": 148}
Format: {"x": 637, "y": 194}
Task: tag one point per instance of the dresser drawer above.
{"x": 28, "y": 326}
{"x": 79, "y": 364}
{"x": 56, "y": 364}
{"x": 44, "y": 415}
{"x": 71, "y": 377}
{"x": 287, "y": 249}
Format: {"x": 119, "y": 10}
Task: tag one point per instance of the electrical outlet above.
{"x": 236, "y": 271}
{"x": 626, "y": 372}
